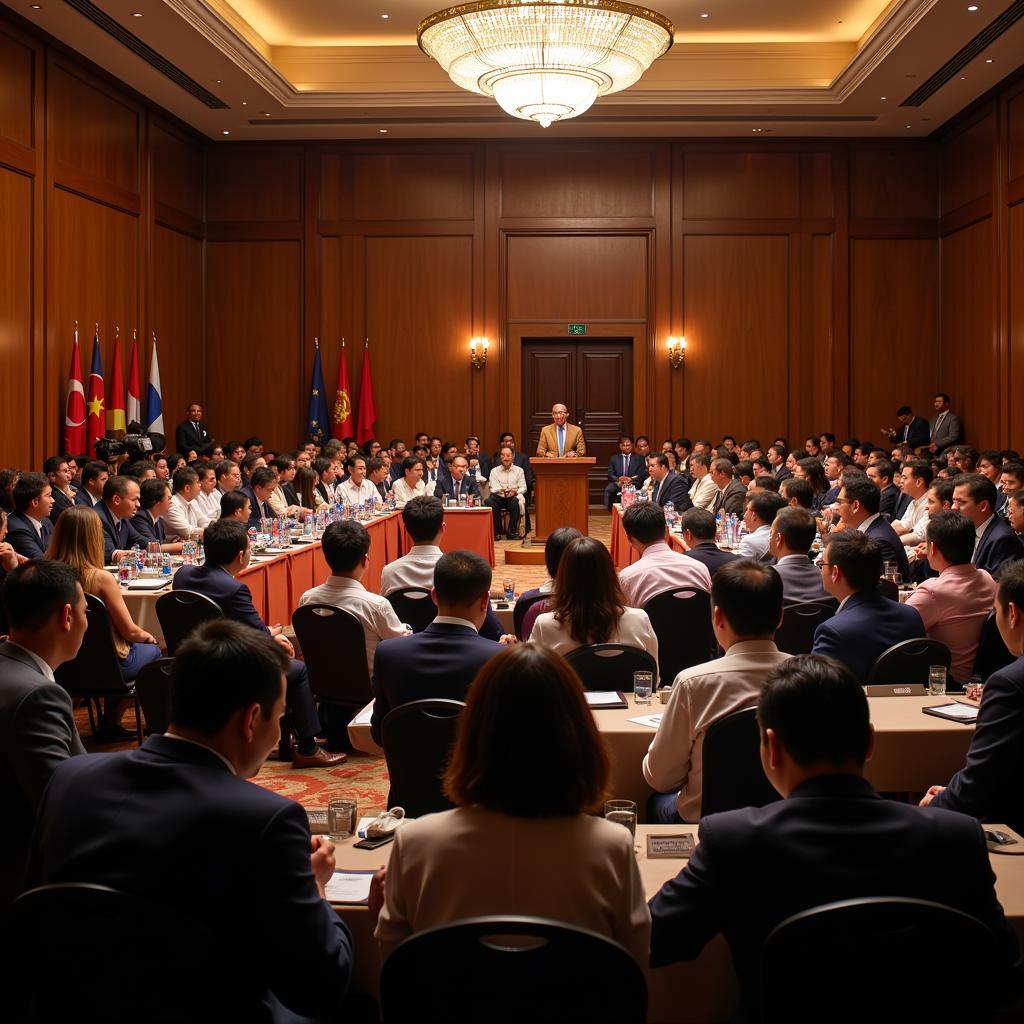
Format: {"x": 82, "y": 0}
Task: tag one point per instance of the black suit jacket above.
{"x": 255, "y": 513}
{"x": 143, "y": 523}
{"x": 893, "y": 549}
{"x": 915, "y": 433}
{"x": 673, "y": 488}
{"x": 119, "y": 535}
{"x": 188, "y": 439}
{"x": 711, "y": 555}
{"x": 233, "y": 596}
{"x": 731, "y": 500}
{"x": 22, "y": 535}
{"x": 82, "y": 497}
{"x": 998, "y": 544}
{"x": 902, "y": 504}
{"x": 160, "y": 822}
{"x": 445, "y": 486}
{"x": 888, "y": 499}
{"x": 636, "y": 468}
{"x": 833, "y": 839}
{"x": 60, "y": 502}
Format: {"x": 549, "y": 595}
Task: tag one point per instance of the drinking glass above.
{"x": 936, "y": 680}
{"x": 643, "y": 686}
{"x": 510, "y": 590}
{"x": 622, "y": 812}
{"x": 341, "y": 819}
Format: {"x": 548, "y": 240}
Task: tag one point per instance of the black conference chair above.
{"x": 180, "y": 612}
{"x": 522, "y": 606}
{"x": 681, "y": 619}
{"x": 153, "y": 688}
{"x": 611, "y": 666}
{"x": 733, "y": 776}
{"x": 992, "y": 654}
{"x": 94, "y": 674}
{"x": 417, "y": 739}
{"x": 795, "y": 634}
{"x": 510, "y": 970}
{"x": 908, "y": 662}
{"x": 414, "y": 606}
{"x": 838, "y": 962}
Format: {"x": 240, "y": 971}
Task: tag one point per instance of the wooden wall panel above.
{"x": 177, "y": 165}
{"x": 419, "y": 319}
{"x": 736, "y": 302}
{"x": 253, "y": 353}
{"x": 820, "y": 200}
{"x": 251, "y": 184}
{"x": 893, "y": 182}
{"x": 741, "y": 185}
{"x": 1015, "y": 325}
{"x": 967, "y": 156}
{"x": 893, "y": 330}
{"x": 413, "y": 186}
{"x": 1015, "y": 135}
{"x": 577, "y": 277}
{"x": 16, "y": 90}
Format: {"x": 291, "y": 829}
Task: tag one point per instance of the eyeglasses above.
{"x": 843, "y": 501}
{"x": 826, "y": 565}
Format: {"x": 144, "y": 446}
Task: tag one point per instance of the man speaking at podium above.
{"x": 560, "y": 439}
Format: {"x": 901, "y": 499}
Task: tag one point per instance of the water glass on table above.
{"x": 509, "y": 586}
{"x": 622, "y": 812}
{"x": 341, "y": 819}
{"x": 937, "y": 680}
{"x": 643, "y": 687}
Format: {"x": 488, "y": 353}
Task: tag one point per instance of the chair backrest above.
{"x": 610, "y": 666}
{"x": 95, "y": 669}
{"x": 992, "y": 654}
{"x": 732, "y": 772}
{"x": 681, "y": 619}
{"x": 795, "y": 634}
{"x": 182, "y": 611}
{"x": 153, "y": 688}
{"x": 417, "y": 738}
{"x": 511, "y": 969}
{"x": 888, "y": 589}
{"x": 908, "y": 662}
{"x": 852, "y": 948}
{"x": 414, "y": 606}
{"x": 522, "y": 606}
{"x": 334, "y": 650}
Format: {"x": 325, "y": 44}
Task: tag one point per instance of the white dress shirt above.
{"x": 660, "y": 569}
{"x": 755, "y": 545}
{"x": 415, "y": 569}
{"x": 915, "y": 519}
{"x": 704, "y": 492}
{"x": 349, "y": 494}
{"x": 511, "y": 479}
{"x": 403, "y": 493}
{"x": 207, "y": 507}
{"x": 181, "y": 520}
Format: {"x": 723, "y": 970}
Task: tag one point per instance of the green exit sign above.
{"x": 577, "y": 328}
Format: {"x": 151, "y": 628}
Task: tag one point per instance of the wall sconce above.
{"x": 676, "y": 351}
{"x": 478, "y": 352}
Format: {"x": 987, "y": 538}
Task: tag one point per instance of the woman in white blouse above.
{"x": 410, "y": 485}
{"x": 588, "y": 606}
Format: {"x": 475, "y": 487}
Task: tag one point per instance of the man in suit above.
{"x": 162, "y": 822}
{"x": 46, "y": 609}
{"x": 328, "y": 470}
{"x": 262, "y": 484}
{"x": 866, "y": 623}
{"x": 944, "y": 430}
{"x": 776, "y": 455}
{"x": 121, "y": 497}
{"x": 94, "y": 478}
{"x": 731, "y": 493}
{"x": 560, "y": 439}
{"x": 858, "y": 503}
{"x": 457, "y": 483}
{"x": 226, "y": 543}
{"x": 443, "y": 660}
{"x": 702, "y": 492}
{"x": 880, "y": 473}
{"x": 912, "y": 430}
{"x": 29, "y": 526}
{"x": 192, "y": 435}
{"x": 792, "y": 534}
{"x": 666, "y": 486}
{"x": 699, "y": 528}
{"x": 155, "y": 501}
{"x": 755, "y": 867}
{"x": 378, "y": 472}
{"x": 59, "y": 474}
{"x": 975, "y": 496}
{"x": 625, "y": 469}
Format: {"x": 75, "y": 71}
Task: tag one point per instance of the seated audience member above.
{"x": 1015, "y": 512}
{"x": 761, "y": 509}
{"x": 965, "y": 459}
{"x": 1011, "y": 479}
{"x": 798, "y": 492}
{"x": 666, "y": 486}
{"x": 441, "y": 661}
{"x": 156, "y": 822}
{"x": 379, "y": 475}
{"x": 29, "y": 526}
{"x": 207, "y": 501}
{"x": 181, "y": 520}
{"x": 744, "y": 472}
{"x": 309, "y": 497}
{"x": 513, "y": 818}
{"x": 858, "y": 505}
{"x": 765, "y": 482}
{"x": 116, "y": 511}
{"x": 642, "y": 445}
{"x": 411, "y": 484}
{"x": 229, "y": 476}
{"x": 94, "y": 478}
{"x": 917, "y": 478}
{"x": 990, "y": 464}
{"x": 776, "y": 456}
{"x": 866, "y": 624}
{"x": 283, "y": 500}
{"x": 554, "y": 547}
{"x": 626, "y": 469}
{"x": 812, "y": 471}
{"x": 249, "y": 465}
{"x": 59, "y": 475}
{"x": 731, "y": 491}
{"x": 8, "y": 478}
{"x": 9, "y": 558}
{"x": 835, "y": 463}
{"x": 880, "y": 473}
{"x": 262, "y": 484}
{"x": 988, "y": 786}
{"x": 46, "y": 613}
{"x": 327, "y": 470}
{"x": 755, "y": 867}
{"x": 699, "y": 529}
{"x": 356, "y": 489}
{"x": 588, "y": 606}
{"x": 703, "y": 493}
{"x": 226, "y": 543}
{"x": 659, "y": 568}
{"x": 139, "y": 470}
{"x": 746, "y": 608}
{"x": 236, "y": 505}
{"x": 507, "y": 483}
{"x": 154, "y": 501}
{"x": 954, "y": 604}
{"x": 457, "y": 482}
{"x": 792, "y": 534}
{"x": 975, "y": 496}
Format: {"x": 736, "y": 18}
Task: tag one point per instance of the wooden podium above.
{"x": 561, "y": 498}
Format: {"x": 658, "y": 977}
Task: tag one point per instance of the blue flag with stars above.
{"x": 319, "y": 425}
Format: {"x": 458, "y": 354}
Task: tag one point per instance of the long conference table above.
{"x": 622, "y": 553}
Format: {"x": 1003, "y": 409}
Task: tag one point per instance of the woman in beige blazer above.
{"x": 520, "y": 840}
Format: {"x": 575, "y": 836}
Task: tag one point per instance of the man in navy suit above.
{"x": 29, "y": 525}
{"x": 975, "y": 496}
{"x": 457, "y": 482}
{"x": 226, "y": 543}
{"x": 699, "y": 529}
{"x": 94, "y": 479}
{"x": 880, "y": 474}
{"x": 667, "y": 486}
{"x": 912, "y": 431}
{"x": 59, "y": 475}
{"x": 988, "y": 786}
{"x": 624, "y": 469}
{"x": 866, "y": 623}
{"x": 858, "y": 503}
{"x": 443, "y": 660}
{"x": 262, "y": 484}
{"x": 192, "y": 435}
{"x": 120, "y": 502}
{"x": 831, "y": 838}
{"x": 155, "y": 499}
{"x": 167, "y": 823}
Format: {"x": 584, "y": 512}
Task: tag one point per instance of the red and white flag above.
{"x": 74, "y": 408}
{"x": 134, "y": 406}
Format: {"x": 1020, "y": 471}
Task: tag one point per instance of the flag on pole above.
{"x": 74, "y": 409}
{"x": 94, "y": 422}
{"x": 341, "y": 418}
{"x": 115, "y": 393}
{"x": 319, "y": 414}
{"x": 367, "y": 410}
{"x": 134, "y": 409}
{"x": 154, "y": 405}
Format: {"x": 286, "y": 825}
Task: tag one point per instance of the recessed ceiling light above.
{"x": 266, "y": 115}
{"x": 385, "y": 17}
{"x": 988, "y": 60}
{"x": 218, "y": 81}
{"x": 383, "y": 131}
{"x": 963, "y": 78}
{"x": 244, "y": 103}
{"x": 136, "y": 14}
{"x": 226, "y": 132}
{"x": 972, "y": 8}
{"x": 885, "y": 97}
{"x": 906, "y": 126}
{"x": 705, "y": 15}
{"x": 36, "y": 7}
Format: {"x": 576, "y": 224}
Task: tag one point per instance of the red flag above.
{"x": 134, "y": 407}
{"x": 74, "y": 409}
{"x": 341, "y": 414}
{"x": 115, "y": 394}
{"x": 367, "y": 410}
{"x": 94, "y": 421}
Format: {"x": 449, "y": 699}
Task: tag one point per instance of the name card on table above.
{"x": 901, "y": 690}
{"x": 670, "y": 846}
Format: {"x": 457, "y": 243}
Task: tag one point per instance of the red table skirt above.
{"x": 465, "y": 529}
{"x": 622, "y": 553}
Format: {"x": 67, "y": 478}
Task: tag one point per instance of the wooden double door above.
{"x": 593, "y": 379}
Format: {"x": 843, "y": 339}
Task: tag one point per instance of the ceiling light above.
{"x": 226, "y": 132}
{"x": 36, "y": 7}
{"x": 885, "y": 97}
{"x": 383, "y": 131}
{"x": 545, "y": 60}
{"x": 266, "y": 114}
{"x": 973, "y": 8}
{"x": 244, "y": 103}
{"x": 385, "y": 16}
{"x": 218, "y": 81}
{"x": 705, "y": 15}
{"x": 136, "y": 14}
{"x": 988, "y": 60}
{"x": 906, "y": 126}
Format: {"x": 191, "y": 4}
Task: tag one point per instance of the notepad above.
{"x": 600, "y": 699}
{"x": 651, "y": 721}
{"x": 363, "y": 718}
{"x": 150, "y": 584}
{"x": 351, "y": 887}
{"x": 954, "y": 712}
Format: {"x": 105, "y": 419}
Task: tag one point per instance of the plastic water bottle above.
{"x": 253, "y": 538}
{"x": 670, "y": 514}
{"x": 719, "y": 528}
{"x": 275, "y": 533}
{"x": 137, "y": 562}
{"x": 165, "y": 566}
{"x": 307, "y": 528}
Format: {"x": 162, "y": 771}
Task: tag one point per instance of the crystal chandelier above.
{"x": 545, "y": 60}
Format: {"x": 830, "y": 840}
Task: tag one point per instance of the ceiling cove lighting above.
{"x": 545, "y": 60}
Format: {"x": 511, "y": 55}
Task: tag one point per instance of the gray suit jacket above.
{"x": 950, "y": 432}
{"x": 731, "y": 499}
{"x": 801, "y": 581}
{"x": 37, "y": 732}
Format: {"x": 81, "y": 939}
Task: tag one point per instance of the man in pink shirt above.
{"x": 659, "y": 568}
{"x": 955, "y": 604}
